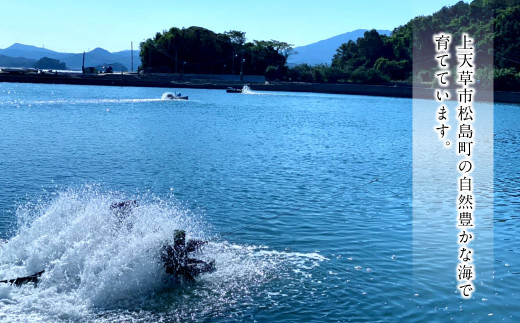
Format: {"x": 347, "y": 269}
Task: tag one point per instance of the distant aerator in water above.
{"x": 176, "y": 96}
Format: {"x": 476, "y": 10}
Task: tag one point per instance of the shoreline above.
{"x": 169, "y": 82}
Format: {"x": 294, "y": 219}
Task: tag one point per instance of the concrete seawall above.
{"x": 377, "y": 90}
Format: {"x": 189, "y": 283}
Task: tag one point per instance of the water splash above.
{"x": 247, "y": 90}
{"x": 171, "y": 96}
{"x": 98, "y": 265}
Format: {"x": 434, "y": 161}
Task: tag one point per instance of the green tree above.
{"x": 200, "y": 50}
{"x": 507, "y": 31}
{"x": 370, "y": 47}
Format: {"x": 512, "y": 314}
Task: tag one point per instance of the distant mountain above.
{"x": 97, "y": 56}
{"x": 322, "y": 51}
{"x": 27, "y": 51}
{"x": 8, "y": 61}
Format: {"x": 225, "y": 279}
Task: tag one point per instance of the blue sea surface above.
{"x": 306, "y": 200}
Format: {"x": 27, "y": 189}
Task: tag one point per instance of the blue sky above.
{"x": 77, "y": 26}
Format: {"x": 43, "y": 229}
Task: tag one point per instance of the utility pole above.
{"x": 83, "y": 65}
{"x": 132, "y": 55}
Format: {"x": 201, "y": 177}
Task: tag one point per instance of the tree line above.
{"x": 200, "y": 50}
{"x": 371, "y": 59}
{"x": 380, "y": 59}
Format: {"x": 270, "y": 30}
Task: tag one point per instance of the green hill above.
{"x": 378, "y": 59}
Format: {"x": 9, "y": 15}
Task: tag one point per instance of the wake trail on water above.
{"x": 95, "y": 261}
{"x": 247, "y": 91}
{"x": 92, "y": 101}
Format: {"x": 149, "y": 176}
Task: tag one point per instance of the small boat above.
{"x": 233, "y": 90}
{"x": 177, "y": 96}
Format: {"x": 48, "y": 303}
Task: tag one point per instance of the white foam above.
{"x": 94, "y": 263}
{"x": 84, "y": 101}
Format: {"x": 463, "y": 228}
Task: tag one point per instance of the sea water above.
{"x": 305, "y": 199}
